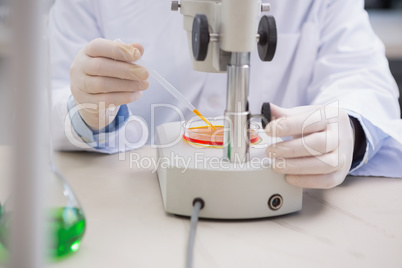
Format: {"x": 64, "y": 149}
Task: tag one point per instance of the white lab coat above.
{"x": 326, "y": 52}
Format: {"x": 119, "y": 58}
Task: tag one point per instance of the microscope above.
{"x": 242, "y": 185}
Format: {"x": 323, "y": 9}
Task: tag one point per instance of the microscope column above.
{"x": 237, "y": 117}
{"x": 238, "y": 36}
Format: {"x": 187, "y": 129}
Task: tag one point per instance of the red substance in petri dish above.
{"x": 208, "y": 136}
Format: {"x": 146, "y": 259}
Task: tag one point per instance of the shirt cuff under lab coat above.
{"x": 374, "y": 137}
{"x": 97, "y": 139}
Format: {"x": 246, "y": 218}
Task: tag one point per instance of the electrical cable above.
{"x": 198, "y": 204}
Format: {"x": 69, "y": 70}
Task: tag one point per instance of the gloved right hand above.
{"x": 102, "y": 78}
{"x": 321, "y": 151}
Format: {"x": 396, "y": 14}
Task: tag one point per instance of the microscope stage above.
{"x": 229, "y": 190}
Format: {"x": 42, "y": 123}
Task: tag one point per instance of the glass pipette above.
{"x": 172, "y": 90}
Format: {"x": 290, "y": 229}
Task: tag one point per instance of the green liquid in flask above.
{"x": 66, "y": 227}
{"x": 3, "y": 256}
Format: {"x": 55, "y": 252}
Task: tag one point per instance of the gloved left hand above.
{"x": 320, "y": 153}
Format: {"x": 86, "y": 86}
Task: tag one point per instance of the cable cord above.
{"x": 198, "y": 205}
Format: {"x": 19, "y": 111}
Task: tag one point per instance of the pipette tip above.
{"x": 203, "y": 118}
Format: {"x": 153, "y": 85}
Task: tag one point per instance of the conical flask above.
{"x": 65, "y": 220}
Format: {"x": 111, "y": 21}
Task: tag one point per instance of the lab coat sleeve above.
{"x": 351, "y": 71}
{"x": 72, "y": 24}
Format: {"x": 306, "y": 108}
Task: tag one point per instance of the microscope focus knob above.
{"x": 175, "y": 5}
{"x": 200, "y": 37}
{"x": 268, "y": 38}
{"x": 266, "y": 114}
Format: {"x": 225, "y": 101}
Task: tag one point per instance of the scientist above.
{"x": 329, "y": 65}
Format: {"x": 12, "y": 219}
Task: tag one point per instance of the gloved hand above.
{"x": 102, "y": 78}
{"x": 320, "y": 153}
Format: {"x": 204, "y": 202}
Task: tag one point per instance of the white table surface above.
{"x": 357, "y": 224}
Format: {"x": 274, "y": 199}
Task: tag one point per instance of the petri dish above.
{"x": 196, "y": 132}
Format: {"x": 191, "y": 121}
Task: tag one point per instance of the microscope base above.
{"x": 229, "y": 190}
